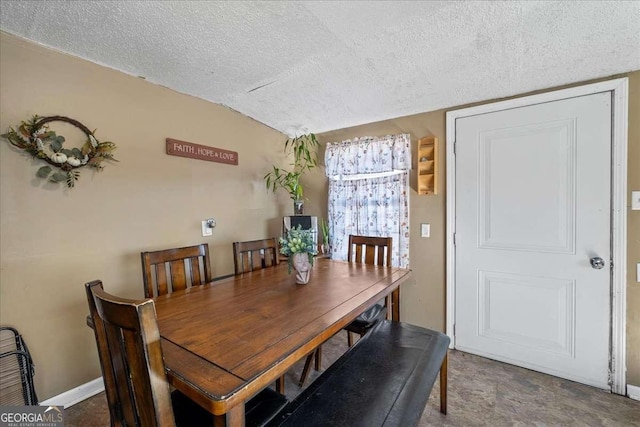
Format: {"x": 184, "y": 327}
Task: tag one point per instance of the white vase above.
{"x": 302, "y": 266}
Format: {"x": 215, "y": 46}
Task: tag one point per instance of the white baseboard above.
{"x": 633, "y": 392}
{"x": 75, "y": 395}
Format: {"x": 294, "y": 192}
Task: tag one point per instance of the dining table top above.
{"x": 225, "y": 341}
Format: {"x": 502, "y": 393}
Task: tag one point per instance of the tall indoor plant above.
{"x": 304, "y": 150}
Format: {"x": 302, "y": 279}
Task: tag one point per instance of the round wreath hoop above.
{"x": 34, "y": 137}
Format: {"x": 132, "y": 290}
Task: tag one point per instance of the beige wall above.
{"x": 423, "y": 299}
{"x": 53, "y": 240}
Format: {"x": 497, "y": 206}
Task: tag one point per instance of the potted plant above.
{"x": 324, "y": 227}
{"x": 300, "y": 247}
{"x": 304, "y": 151}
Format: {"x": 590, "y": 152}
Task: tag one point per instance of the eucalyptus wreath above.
{"x": 35, "y": 138}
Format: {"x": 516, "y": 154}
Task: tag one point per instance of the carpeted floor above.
{"x": 482, "y": 392}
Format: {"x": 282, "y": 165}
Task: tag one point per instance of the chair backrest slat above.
{"x": 256, "y": 260}
{"x": 184, "y": 269}
{"x": 121, "y": 373}
{"x": 161, "y": 281}
{"x": 195, "y": 270}
{"x": 178, "y": 275}
{"x": 376, "y": 250}
{"x": 131, "y": 359}
{"x": 381, "y": 256}
{"x": 271, "y": 258}
{"x": 255, "y": 255}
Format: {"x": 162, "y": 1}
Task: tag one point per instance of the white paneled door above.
{"x": 532, "y": 243}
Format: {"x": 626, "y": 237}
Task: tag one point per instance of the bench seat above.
{"x": 383, "y": 380}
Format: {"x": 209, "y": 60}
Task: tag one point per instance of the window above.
{"x": 369, "y": 192}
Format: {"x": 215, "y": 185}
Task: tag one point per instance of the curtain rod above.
{"x": 369, "y": 139}
{"x": 366, "y": 175}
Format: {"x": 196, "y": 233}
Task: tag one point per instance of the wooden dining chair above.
{"x": 133, "y": 369}
{"x": 372, "y": 251}
{"x": 255, "y": 254}
{"x": 365, "y": 250}
{"x": 189, "y": 266}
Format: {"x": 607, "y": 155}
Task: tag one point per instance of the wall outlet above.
{"x": 425, "y": 230}
{"x": 206, "y": 229}
{"x": 635, "y": 200}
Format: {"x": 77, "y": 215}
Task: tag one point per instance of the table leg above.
{"x": 233, "y": 418}
{"x": 318, "y": 358}
{"x": 443, "y": 385}
{"x": 388, "y": 304}
{"x": 307, "y": 366}
{"x": 395, "y": 305}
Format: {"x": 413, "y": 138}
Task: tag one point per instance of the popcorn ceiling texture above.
{"x": 320, "y": 66}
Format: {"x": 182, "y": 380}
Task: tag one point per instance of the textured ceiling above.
{"x": 319, "y": 66}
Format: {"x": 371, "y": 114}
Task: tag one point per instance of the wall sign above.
{"x": 201, "y": 152}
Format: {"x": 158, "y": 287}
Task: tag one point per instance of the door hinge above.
{"x": 454, "y": 329}
{"x": 454, "y": 239}
{"x": 455, "y": 144}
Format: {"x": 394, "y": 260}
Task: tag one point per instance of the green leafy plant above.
{"x": 34, "y": 137}
{"x": 298, "y": 241}
{"x": 304, "y": 150}
{"x": 324, "y": 227}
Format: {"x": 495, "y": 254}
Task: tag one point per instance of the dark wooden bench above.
{"x": 383, "y": 380}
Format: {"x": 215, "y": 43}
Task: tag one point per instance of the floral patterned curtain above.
{"x": 368, "y": 155}
{"x": 368, "y": 192}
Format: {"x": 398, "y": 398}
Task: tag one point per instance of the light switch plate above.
{"x": 206, "y": 230}
{"x": 425, "y": 230}
{"x": 635, "y": 200}
{"x": 638, "y": 272}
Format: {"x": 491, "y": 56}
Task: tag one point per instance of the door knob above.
{"x": 597, "y": 262}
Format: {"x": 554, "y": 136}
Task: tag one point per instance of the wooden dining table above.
{"x": 225, "y": 341}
